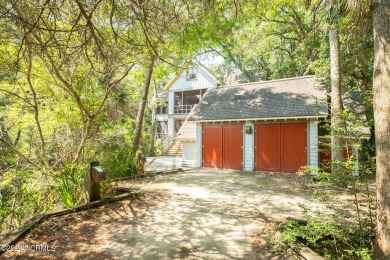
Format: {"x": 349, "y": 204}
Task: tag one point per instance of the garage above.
{"x": 222, "y": 146}
{"x": 276, "y": 123}
{"x": 280, "y": 147}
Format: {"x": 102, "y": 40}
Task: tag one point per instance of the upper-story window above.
{"x": 162, "y": 109}
{"x": 184, "y": 101}
{"x": 191, "y": 73}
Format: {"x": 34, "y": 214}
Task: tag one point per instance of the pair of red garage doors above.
{"x": 222, "y": 146}
{"x": 279, "y": 147}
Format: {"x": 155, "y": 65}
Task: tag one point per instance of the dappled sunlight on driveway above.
{"x": 199, "y": 214}
{"x": 205, "y": 214}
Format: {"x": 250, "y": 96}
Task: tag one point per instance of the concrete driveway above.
{"x": 207, "y": 214}
{"x": 163, "y": 163}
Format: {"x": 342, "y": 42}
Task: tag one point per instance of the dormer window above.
{"x": 191, "y": 74}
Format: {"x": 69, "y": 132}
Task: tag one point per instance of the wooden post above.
{"x": 91, "y": 184}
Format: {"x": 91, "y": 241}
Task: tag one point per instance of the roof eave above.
{"x": 170, "y": 83}
{"x": 185, "y": 66}
{"x": 258, "y": 119}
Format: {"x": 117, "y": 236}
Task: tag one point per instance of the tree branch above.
{"x": 18, "y": 153}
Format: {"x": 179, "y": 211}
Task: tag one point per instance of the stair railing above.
{"x": 168, "y": 142}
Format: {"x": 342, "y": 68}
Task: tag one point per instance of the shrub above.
{"x": 70, "y": 185}
{"x": 120, "y": 163}
{"x": 23, "y": 194}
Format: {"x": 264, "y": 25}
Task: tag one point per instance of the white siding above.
{"x": 249, "y": 154}
{"x": 162, "y": 117}
{"x": 189, "y": 154}
{"x": 312, "y": 149}
{"x": 171, "y": 103}
{"x": 198, "y": 145}
{"x": 203, "y": 80}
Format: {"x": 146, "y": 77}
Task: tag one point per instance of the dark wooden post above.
{"x": 93, "y": 175}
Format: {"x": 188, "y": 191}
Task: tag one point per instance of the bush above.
{"x": 330, "y": 238}
{"x": 23, "y": 194}
{"x": 70, "y": 185}
{"x": 120, "y": 163}
{"x": 345, "y": 235}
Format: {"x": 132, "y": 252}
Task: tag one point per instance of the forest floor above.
{"x": 199, "y": 214}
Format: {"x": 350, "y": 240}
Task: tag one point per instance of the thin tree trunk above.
{"x": 381, "y": 103}
{"x": 36, "y": 108}
{"x": 153, "y": 129}
{"x": 84, "y": 138}
{"x": 336, "y": 105}
{"x": 142, "y": 106}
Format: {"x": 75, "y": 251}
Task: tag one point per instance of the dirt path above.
{"x": 201, "y": 214}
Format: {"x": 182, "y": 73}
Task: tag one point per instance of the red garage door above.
{"x": 280, "y": 147}
{"x": 293, "y": 141}
{"x": 267, "y": 147}
{"x": 222, "y": 146}
{"x": 232, "y": 147}
{"x": 212, "y": 146}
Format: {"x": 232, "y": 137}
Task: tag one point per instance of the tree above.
{"x": 154, "y": 122}
{"x": 336, "y": 102}
{"x": 381, "y": 85}
{"x": 142, "y": 106}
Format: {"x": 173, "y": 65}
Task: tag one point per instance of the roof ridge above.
{"x": 267, "y": 81}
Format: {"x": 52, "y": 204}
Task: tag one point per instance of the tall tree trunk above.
{"x": 336, "y": 105}
{"x": 153, "y": 129}
{"x": 142, "y": 106}
{"x": 382, "y": 125}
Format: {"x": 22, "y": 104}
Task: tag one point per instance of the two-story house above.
{"x": 183, "y": 92}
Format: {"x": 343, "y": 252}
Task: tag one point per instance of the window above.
{"x": 191, "y": 73}
{"x": 162, "y": 109}
{"x": 178, "y": 124}
{"x": 162, "y": 130}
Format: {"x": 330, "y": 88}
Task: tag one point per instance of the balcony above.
{"x": 184, "y": 101}
{"x": 183, "y": 109}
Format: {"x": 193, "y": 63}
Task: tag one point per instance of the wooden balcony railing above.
{"x": 183, "y": 109}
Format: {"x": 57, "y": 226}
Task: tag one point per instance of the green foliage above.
{"x": 344, "y": 235}
{"x": 23, "y": 194}
{"x": 332, "y": 239}
{"x": 158, "y": 146}
{"x": 120, "y": 163}
{"x": 70, "y": 185}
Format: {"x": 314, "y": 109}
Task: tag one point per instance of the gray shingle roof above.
{"x": 294, "y": 97}
{"x": 187, "y": 131}
{"x": 357, "y": 122}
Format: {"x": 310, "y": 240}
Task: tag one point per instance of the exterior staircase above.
{"x": 173, "y": 149}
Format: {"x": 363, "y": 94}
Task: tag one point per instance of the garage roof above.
{"x": 286, "y": 98}
{"x": 187, "y": 131}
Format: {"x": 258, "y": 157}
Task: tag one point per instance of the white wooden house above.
{"x": 183, "y": 92}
